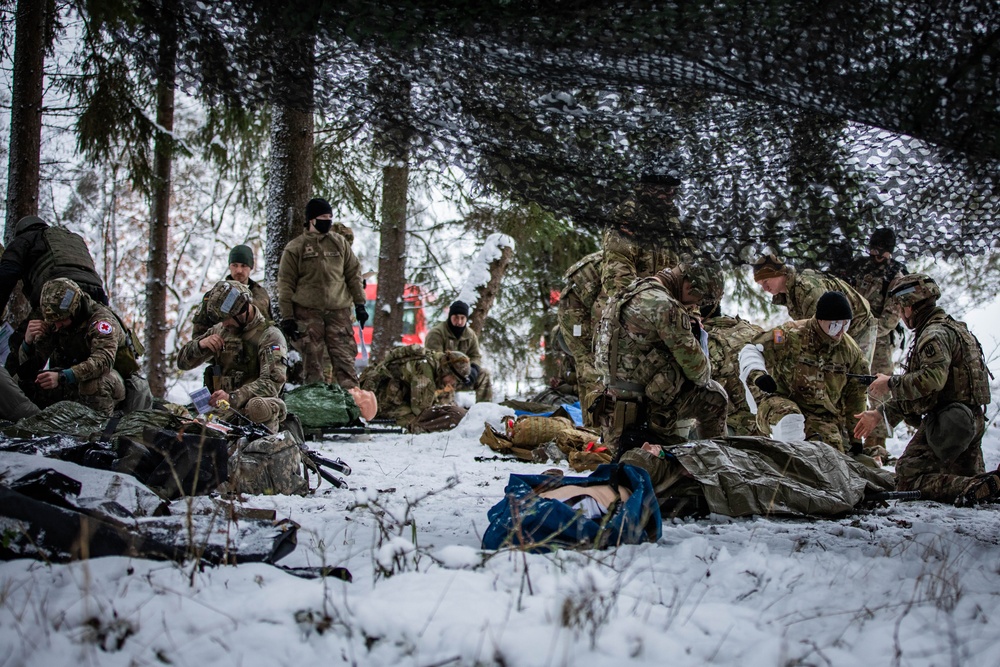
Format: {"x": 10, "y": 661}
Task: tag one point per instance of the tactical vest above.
{"x": 625, "y": 370}
{"x": 968, "y": 377}
{"x": 239, "y": 363}
{"x": 66, "y": 256}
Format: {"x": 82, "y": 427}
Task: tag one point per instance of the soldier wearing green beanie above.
{"x": 241, "y": 263}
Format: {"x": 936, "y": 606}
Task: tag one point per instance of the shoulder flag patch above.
{"x": 779, "y": 336}
{"x": 275, "y": 348}
{"x": 103, "y": 327}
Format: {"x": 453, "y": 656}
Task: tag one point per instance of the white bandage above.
{"x": 751, "y": 359}
{"x": 789, "y": 428}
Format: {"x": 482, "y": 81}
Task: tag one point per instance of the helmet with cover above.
{"x": 60, "y": 299}
{"x": 227, "y": 299}
{"x": 456, "y": 363}
{"x": 913, "y": 289}
{"x": 706, "y": 282}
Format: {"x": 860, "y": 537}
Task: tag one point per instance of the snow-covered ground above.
{"x": 913, "y": 584}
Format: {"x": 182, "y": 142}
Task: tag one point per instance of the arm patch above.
{"x": 103, "y": 327}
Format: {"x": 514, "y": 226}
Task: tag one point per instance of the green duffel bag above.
{"x": 320, "y": 406}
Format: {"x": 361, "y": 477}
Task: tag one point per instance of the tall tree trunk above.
{"x": 159, "y": 225}
{"x": 33, "y": 22}
{"x": 291, "y": 157}
{"x": 388, "y": 323}
{"x": 486, "y": 294}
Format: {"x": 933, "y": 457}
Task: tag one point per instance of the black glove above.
{"x": 857, "y": 448}
{"x": 361, "y": 313}
{"x": 766, "y": 384}
{"x": 290, "y": 329}
{"x": 473, "y": 374}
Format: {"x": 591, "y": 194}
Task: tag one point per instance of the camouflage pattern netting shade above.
{"x": 799, "y": 125}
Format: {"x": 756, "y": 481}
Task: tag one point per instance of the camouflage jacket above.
{"x": 252, "y": 363}
{"x": 810, "y": 369}
{"x": 200, "y": 322}
{"x": 726, "y": 337}
{"x": 441, "y": 339}
{"x": 580, "y": 309}
{"x": 88, "y": 348}
{"x": 871, "y": 280}
{"x": 806, "y": 287}
{"x": 626, "y": 259}
{"x": 657, "y": 351}
{"x": 404, "y": 382}
{"x": 945, "y": 365}
{"x": 318, "y": 271}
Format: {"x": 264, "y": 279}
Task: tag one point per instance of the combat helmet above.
{"x": 457, "y": 363}
{"x": 705, "y": 280}
{"x": 60, "y": 299}
{"x": 226, "y": 299}
{"x": 912, "y": 289}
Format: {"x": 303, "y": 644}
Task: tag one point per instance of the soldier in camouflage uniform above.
{"x": 240, "y": 265}
{"x": 871, "y": 277}
{"x": 627, "y": 257}
{"x": 85, "y": 347}
{"x": 579, "y": 311}
{"x": 651, "y": 359}
{"x": 943, "y": 393}
{"x": 799, "y": 292}
{"x": 726, "y": 337}
{"x": 455, "y": 334}
{"x": 319, "y": 278}
{"x": 802, "y": 368}
{"x": 411, "y": 379}
{"x": 248, "y": 357}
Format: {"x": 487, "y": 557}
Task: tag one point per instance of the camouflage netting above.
{"x": 800, "y": 125}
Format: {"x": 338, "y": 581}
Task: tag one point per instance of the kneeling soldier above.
{"x": 943, "y": 393}
{"x": 85, "y": 346}
{"x": 247, "y": 354}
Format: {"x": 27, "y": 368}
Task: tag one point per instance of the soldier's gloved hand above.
{"x": 361, "y": 313}
{"x": 766, "y": 383}
{"x": 857, "y": 448}
{"x": 290, "y": 328}
{"x": 473, "y": 374}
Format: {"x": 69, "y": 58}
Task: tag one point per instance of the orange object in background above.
{"x": 414, "y": 318}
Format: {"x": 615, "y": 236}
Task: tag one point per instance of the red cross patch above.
{"x": 103, "y": 327}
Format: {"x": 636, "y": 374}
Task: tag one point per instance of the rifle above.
{"x": 884, "y": 496}
{"x": 318, "y": 464}
{"x": 866, "y": 380}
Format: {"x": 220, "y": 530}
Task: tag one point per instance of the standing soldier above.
{"x": 319, "y": 278}
{"x": 871, "y": 277}
{"x": 652, "y": 361}
{"x": 579, "y": 311}
{"x": 240, "y": 265}
{"x": 802, "y": 368}
{"x": 726, "y": 337}
{"x": 943, "y": 392}
{"x": 455, "y": 334}
{"x": 248, "y": 356}
{"x": 800, "y": 291}
{"x": 651, "y": 209}
{"x": 85, "y": 347}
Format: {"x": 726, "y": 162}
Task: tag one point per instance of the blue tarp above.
{"x": 543, "y": 524}
{"x": 572, "y": 409}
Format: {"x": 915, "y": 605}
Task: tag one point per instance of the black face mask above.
{"x": 323, "y": 226}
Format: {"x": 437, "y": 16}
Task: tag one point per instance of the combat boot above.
{"x": 984, "y": 488}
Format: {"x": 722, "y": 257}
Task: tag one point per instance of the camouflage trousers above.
{"x": 919, "y": 468}
{"x": 102, "y": 394}
{"x": 742, "y": 422}
{"x": 483, "y": 386}
{"x": 705, "y": 404}
{"x": 881, "y": 363}
{"x": 866, "y": 341}
{"x": 822, "y": 428}
{"x": 575, "y": 324}
{"x": 328, "y": 330}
